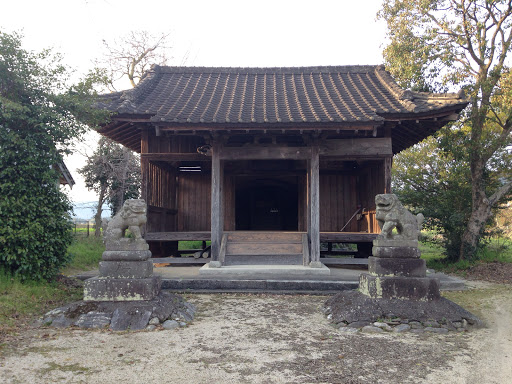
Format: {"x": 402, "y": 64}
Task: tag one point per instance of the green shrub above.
{"x": 39, "y": 117}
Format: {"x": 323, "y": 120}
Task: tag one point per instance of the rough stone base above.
{"x": 399, "y": 287}
{"x": 396, "y": 252}
{"x": 411, "y": 267}
{"x": 126, "y": 269}
{"x": 349, "y": 307}
{"x": 120, "y": 316}
{"x": 108, "y": 289}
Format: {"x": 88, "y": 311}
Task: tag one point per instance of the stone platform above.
{"x": 188, "y": 279}
{"x": 263, "y": 270}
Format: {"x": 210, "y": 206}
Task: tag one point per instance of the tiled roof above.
{"x": 255, "y": 96}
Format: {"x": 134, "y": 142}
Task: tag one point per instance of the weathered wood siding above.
{"x": 371, "y": 183}
{"x": 161, "y": 198}
{"x": 174, "y": 144}
{"x": 338, "y": 202}
{"x": 194, "y": 202}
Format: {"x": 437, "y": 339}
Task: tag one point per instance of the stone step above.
{"x": 264, "y": 237}
{"x": 283, "y": 259}
{"x": 211, "y": 285}
{"x": 263, "y": 248}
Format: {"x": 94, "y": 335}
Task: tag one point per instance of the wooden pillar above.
{"x": 314, "y": 205}
{"x": 388, "y": 163}
{"x": 217, "y": 212}
{"x": 144, "y": 170}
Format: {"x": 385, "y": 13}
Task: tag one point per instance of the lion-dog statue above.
{"x": 392, "y": 214}
{"x": 132, "y": 216}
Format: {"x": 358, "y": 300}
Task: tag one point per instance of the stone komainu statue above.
{"x": 132, "y": 216}
{"x": 392, "y": 214}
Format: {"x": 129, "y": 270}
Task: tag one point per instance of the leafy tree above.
{"x": 439, "y": 44}
{"x": 113, "y": 172}
{"x": 39, "y": 117}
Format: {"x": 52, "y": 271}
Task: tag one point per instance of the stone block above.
{"x": 108, "y": 289}
{"x": 93, "y": 320}
{"x": 135, "y": 320}
{"x": 126, "y": 269}
{"x": 381, "y": 242}
{"x": 399, "y": 287}
{"x": 397, "y": 267}
{"x": 396, "y": 252}
{"x": 126, "y": 255}
{"x": 126, "y": 244}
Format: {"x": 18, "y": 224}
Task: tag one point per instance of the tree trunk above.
{"x": 474, "y": 229}
{"x": 480, "y": 210}
{"x": 99, "y": 211}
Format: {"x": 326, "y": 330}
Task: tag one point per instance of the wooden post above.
{"x": 144, "y": 170}
{"x": 314, "y": 205}
{"x": 388, "y": 163}
{"x": 217, "y": 213}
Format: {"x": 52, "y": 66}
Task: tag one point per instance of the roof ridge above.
{"x": 407, "y": 96}
{"x": 130, "y": 97}
{"x": 262, "y": 70}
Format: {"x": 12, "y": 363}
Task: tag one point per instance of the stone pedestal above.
{"x": 126, "y": 273}
{"x": 397, "y": 272}
{"x": 126, "y": 289}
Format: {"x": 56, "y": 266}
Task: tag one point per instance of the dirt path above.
{"x": 489, "y": 355}
{"x": 265, "y": 339}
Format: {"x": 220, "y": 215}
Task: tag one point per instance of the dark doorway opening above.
{"x": 266, "y": 204}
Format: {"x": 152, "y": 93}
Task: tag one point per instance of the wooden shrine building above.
{"x": 267, "y": 163}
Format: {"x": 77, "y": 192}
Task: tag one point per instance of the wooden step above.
{"x": 264, "y": 237}
{"x": 263, "y": 248}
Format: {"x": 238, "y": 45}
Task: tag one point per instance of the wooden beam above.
{"x": 175, "y": 157}
{"x": 177, "y": 236}
{"x": 380, "y": 146}
{"x": 348, "y": 237}
{"x": 265, "y": 153}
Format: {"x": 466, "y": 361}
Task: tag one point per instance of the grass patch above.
{"x": 21, "y": 302}
{"x": 494, "y": 250}
{"x": 477, "y": 301}
{"x": 86, "y": 254}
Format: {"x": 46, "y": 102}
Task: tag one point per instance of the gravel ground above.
{"x": 267, "y": 339}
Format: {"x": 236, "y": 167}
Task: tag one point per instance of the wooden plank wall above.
{"x": 194, "y": 202}
{"x": 338, "y": 202}
{"x": 371, "y": 183}
{"x": 161, "y": 199}
{"x": 174, "y": 144}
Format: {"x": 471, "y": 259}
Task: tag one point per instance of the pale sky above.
{"x": 224, "y": 33}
